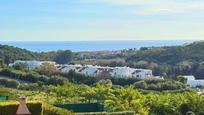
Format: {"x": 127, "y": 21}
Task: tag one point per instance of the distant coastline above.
{"x": 78, "y": 46}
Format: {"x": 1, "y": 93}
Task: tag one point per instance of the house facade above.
{"x": 98, "y": 71}
{"x": 107, "y": 71}
{"x": 192, "y": 82}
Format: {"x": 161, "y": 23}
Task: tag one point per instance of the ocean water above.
{"x": 77, "y": 46}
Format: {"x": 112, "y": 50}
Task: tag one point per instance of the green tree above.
{"x": 182, "y": 79}
{"x": 63, "y": 57}
{"x": 47, "y": 69}
{"x": 20, "y": 66}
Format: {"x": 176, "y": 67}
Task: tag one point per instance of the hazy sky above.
{"x": 101, "y": 19}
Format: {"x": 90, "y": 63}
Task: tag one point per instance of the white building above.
{"x": 142, "y": 73}
{"x": 192, "y": 82}
{"x": 33, "y": 64}
{"x": 89, "y": 71}
{"x": 122, "y": 72}
{"x": 67, "y": 68}
{"x": 107, "y": 71}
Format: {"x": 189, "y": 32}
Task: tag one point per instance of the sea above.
{"x": 79, "y": 46}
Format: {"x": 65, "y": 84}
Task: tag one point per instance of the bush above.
{"x": 24, "y": 76}
{"x": 52, "y": 110}
{"x": 8, "y": 83}
{"x": 10, "y": 107}
{"x": 20, "y": 66}
{"x": 32, "y": 77}
{"x": 159, "y": 85}
{"x": 111, "y": 113}
{"x": 78, "y": 78}
{"x": 4, "y": 91}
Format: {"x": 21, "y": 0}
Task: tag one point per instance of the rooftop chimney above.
{"x": 22, "y": 108}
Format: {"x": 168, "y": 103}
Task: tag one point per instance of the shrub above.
{"x": 10, "y": 107}
{"x": 52, "y": 110}
{"x": 32, "y": 77}
{"x": 111, "y": 113}
{"x": 4, "y": 91}
{"x": 8, "y": 83}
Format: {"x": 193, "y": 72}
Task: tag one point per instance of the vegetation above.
{"x": 118, "y": 98}
{"x": 63, "y": 57}
{"x": 9, "y": 83}
{"x": 47, "y": 69}
{"x": 159, "y": 85}
{"x": 109, "y": 113}
{"x": 164, "y": 61}
{"x": 9, "y": 54}
{"x": 20, "y": 66}
{"x": 10, "y": 107}
{"x": 145, "y": 84}
{"x": 4, "y": 92}
{"x": 32, "y": 77}
{"x": 168, "y": 96}
{"x": 52, "y": 110}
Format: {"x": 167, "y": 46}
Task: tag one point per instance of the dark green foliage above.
{"x": 9, "y": 83}
{"x": 52, "y": 110}
{"x": 147, "y": 84}
{"x": 169, "y": 61}
{"x": 90, "y": 80}
{"x": 159, "y": 85}
{"x": 111, "y": 113}
{"x": 79, "y": 78}
{"x": 9, "y": 54}
{"x": 32, "y": 77}
{"x": 63, "y": 57}
{"x": 182, "y": 79}
{"x": 2, "y": 64}
{"x": 10, "y": 108}
{"x": 200, "y": 71}
{"x": 30, "y": 86}
{"x": 174, "y": 61}
{"x": 4, "y": 92}
{"x": 25, "y": 76}
{"x": 35, "y": 108}
{"x": 124, "y": 81}
{"x": 56, "y": 80}
{"x": 20, "y": 66}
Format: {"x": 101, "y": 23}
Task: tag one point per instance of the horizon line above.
{"x": 96, "y": 40}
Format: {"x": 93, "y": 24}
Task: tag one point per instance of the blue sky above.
{"x": 70, "y": 20}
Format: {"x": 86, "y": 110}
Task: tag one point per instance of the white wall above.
{"x": 113, "y": 71}
{"x": 192, "y": 82}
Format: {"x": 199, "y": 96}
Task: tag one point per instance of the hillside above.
{"x": 9, "y": 54}
{"x": 171, "y": 55}
{"x": 168, "y": 61}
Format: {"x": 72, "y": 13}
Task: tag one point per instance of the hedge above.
{"x": 9, "y": 83}
{"x": 32, "y": 77}
{"x": 10, "y": 107}
{"x": 111, "y": 113}
{"x": 52, "y": 110}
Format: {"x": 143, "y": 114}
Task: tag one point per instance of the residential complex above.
{"x": 192, "y": 82}
{"x": 92, "y": 70}
{"x": 31, "y": 64}
{"x": 107, "y": 71}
